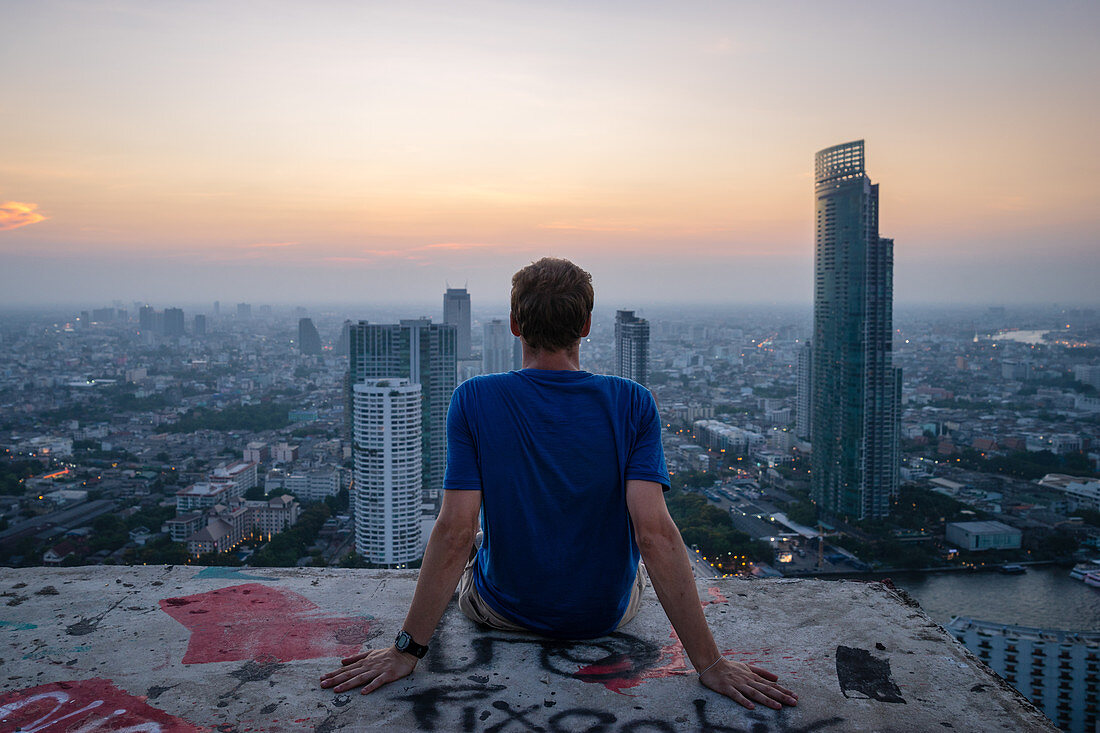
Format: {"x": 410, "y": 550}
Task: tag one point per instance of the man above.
{"x": 567, "y": 472}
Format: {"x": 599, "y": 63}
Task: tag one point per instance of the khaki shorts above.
{"x": 476, "y": 609}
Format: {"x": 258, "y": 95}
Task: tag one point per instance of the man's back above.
{"x": 551, "y": 451}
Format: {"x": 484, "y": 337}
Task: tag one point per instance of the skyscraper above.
{"x": 803, "y": 424}
{"x": 199, "y": 325}
{"x": 456, "y": 312}
{"x": 856, "y": 388}
{"x": 173, "y": 322}
{"x": 343, "y": 341}
{"x": 309, "y": 341}
{"x": 424, "y": 353}
{"x": 498, "y": 348}
{"x": 147, "y": 320}
{"x": 388, "y": 468}
{"x": 632, "y": 347}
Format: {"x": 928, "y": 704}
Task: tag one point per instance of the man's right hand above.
{"x": 746, "y": 683}
{"x": 373, "y": 669}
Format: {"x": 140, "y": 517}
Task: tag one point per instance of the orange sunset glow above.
{"x": 376, "y": 148}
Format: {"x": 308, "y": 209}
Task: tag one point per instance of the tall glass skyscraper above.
{"x": 632, "y": 347}
{"x": 856, "y": 390}
{"x": 424, "y": 353}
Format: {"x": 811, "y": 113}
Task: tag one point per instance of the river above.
{"x": 1044, "y": 596}
{"x": 1024, "y": 337}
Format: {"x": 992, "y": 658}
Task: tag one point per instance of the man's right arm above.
{"x": 666, "y": 561}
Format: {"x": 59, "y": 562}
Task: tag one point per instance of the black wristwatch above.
{"x": 405, "y": 643}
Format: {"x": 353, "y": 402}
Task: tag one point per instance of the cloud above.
{"x": 15, "y": 214}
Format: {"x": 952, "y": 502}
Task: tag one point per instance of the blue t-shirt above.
{"x": 551, "y": 452}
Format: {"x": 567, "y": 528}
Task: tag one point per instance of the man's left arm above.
{"x": 445, "y": 558}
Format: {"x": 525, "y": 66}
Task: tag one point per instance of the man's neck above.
{"x": 566, "y": 360}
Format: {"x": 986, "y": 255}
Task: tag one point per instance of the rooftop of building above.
{"x": 985, "y": 526}
{"x": 1089, "y": 639}
{"x": 203, "y": 488}
{"x": 229, "y": 649}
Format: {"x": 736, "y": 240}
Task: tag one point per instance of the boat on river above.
{"x": 1012, "y": 569}
{"x": 1081, "y": 569}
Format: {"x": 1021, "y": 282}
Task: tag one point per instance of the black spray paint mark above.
{"x": 434, "y": 709}
{"x": 255, "y": 671}
{"x": 426, "y": 703}
{"x": 156, "y": 691}
{"x": 859, "y": 672}
{"x": 614, "y": 657}
{"x": 520, "y": 716}
{"x": 601, "y": 721}
{"x": 88, "y": 625}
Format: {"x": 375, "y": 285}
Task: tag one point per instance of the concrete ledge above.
{"x": 185, "y": 648}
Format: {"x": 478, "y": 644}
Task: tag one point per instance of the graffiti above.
{"x": 224, "y": 573}
{"x": 41, "y": 651}
{"x": 858, "y": 671}
{"x": 16, "y": 626}
{"x": 619, "y": 661}
{"x": 425, "y": 703}
{"x": 615, "y": 661}
{"x": 85, "y": 705}
{"x": 435, "y": 708}
{"x": 253, "y": 621}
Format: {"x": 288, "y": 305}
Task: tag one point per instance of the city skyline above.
{"x": 375, "y": 152}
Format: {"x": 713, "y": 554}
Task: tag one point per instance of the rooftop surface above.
{"x": 187, "y": 649}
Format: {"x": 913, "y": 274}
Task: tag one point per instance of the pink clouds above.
{"x": 15, "y": 214}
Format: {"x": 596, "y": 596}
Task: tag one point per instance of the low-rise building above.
{"x": 978, "y": 536}
{"x": 181, "y": 527}
{"x": 203, "y": 495}
{"x": 273, "y": 516}
{"x": 1080, "y": 492}
{"x": 313, "y": 485}
{"x": 217, "y": 536}
{"x": 243, "y": 473}
{"x": 284, "y": 453}
{"x": 256, "y": 452}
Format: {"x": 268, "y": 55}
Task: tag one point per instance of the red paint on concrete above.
{"x": 89, "y": 706}
{"x": 716, "y": 596}
{"x": 253, "y": 621}
{"x": 672, "y": 661}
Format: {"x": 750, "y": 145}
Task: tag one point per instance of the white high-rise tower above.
{"x": 386, "y": 427}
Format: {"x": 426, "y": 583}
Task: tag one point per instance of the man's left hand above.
{"x": 373, "y": 669}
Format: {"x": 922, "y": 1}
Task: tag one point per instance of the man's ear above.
{"x": 514, "y": 326}
{"x": 587, "y": 326}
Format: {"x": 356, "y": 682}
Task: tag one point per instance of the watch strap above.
{"x": 404, "y": 643}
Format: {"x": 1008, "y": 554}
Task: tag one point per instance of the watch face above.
{"x": 403, "y": 640}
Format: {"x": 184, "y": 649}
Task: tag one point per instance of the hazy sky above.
{"x": 371, "y": 151}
